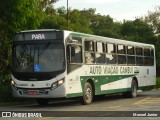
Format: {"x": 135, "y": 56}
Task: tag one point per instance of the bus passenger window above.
{"x": 147, "y": 57}
{"x": 89, "y": 46}
{"x": 146, "y": 52}
{"x": 130, "y": 50}
{"x": 111, "y": 59}
{"x": 152, "y": 57}
{"x": 139, "y": 60}
{"x": 89, "y": 58}
{"x": 147, "y": 61}
{"x": 139, "y": 51}
{"x": 121, "y": 49}
{"x": 100, "y": 47}
{"x": 131, "y": 60}
{"x": 76, "y": 54}
{"x": 152, "y": 53}
{"x": 100, "y": 58}
{"x": 121, "y": 59}
{"x": 111, "y": 48}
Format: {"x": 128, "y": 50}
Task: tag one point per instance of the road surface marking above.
{"x": 139, "y": 102}
{"x": 115, "y": 107}
{"x": 148, "y": 100}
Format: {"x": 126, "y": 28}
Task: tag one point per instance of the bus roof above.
{"x": 98, "y": 38}
{"x": 110, "y": 40}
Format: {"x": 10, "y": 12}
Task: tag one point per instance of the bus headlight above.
{"x": 14, "y": 84}
{"x": 57, "y": 83}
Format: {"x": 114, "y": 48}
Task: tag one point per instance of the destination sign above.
{"x": 37, "y": 36}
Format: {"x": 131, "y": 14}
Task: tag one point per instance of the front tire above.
{"x": 87, "y": 94}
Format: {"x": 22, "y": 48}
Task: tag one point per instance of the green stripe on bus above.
{"x": 102, "y": 80}
{"x": 102, "y": 92}
{"x": 74, "y": 95}
{"x": 115, "y": 91}
{"x": 111, "y": 91}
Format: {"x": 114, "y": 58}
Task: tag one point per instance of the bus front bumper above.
{"x": 39, "y": 92}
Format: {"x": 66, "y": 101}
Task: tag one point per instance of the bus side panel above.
{"x": 73, "y": 87}
{"x": 146, "y": 77}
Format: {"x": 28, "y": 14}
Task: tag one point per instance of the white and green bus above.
{"x": 64, "y": 64}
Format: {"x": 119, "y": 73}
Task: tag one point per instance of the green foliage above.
{"x": 77, "y": 21}
{"x": 137, "y": 30}
{"x": 153, "y": 19}
{"x": 54, "y": 22}
{"x": 157, "y": 83}
{"x": 15, "y": 15}
{"x": 102, "y": 25}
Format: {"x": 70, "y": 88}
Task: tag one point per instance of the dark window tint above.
{"x": 139, "y": 51}
{"x": 146, "y": 52}
{"x": 76, "y": 54}
{"x": 152, "y": 53}
{"x": 121, "y": 59}
{"x": 111, "y": 59}
{"x": 121, "y": 49}
{"x": 139, "y": 60}
{"x": 131, "y": 60}
{"x": 147, "y": 61}
{"x": 89, "y": 46}
{"x": 100, "y": 58}
{"x": 130, "y": 50}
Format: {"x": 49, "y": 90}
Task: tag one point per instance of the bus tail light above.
{"x": 57, "y": 83}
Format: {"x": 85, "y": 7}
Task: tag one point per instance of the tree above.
{"x": 77, "y": 22}
{"x": 101, "y": 24}
{"x": 153, "y": 19}
{"x": 15, "y": 15}
{"x": 137, "y": 30}
{"x": 54, "y": 22}
{"x": 47, "y": 6}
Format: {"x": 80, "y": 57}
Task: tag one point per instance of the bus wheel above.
{"x": 87, "y": 94}
{"x": 133, "y": 92}
{"x": 42, "y": 101}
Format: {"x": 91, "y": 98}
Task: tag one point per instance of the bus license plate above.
{"x": 33, "y": 92}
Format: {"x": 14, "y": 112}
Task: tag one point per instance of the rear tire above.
{"x": 87, "y": 94}
{"x": 134, "y": 87}
{"x": 133, "y": 92}
{"x": 42, "y": 101}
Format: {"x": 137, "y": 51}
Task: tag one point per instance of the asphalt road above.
{"x": 115, "y": 105}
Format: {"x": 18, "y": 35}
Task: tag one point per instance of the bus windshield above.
{"x": 46, "y": 57}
